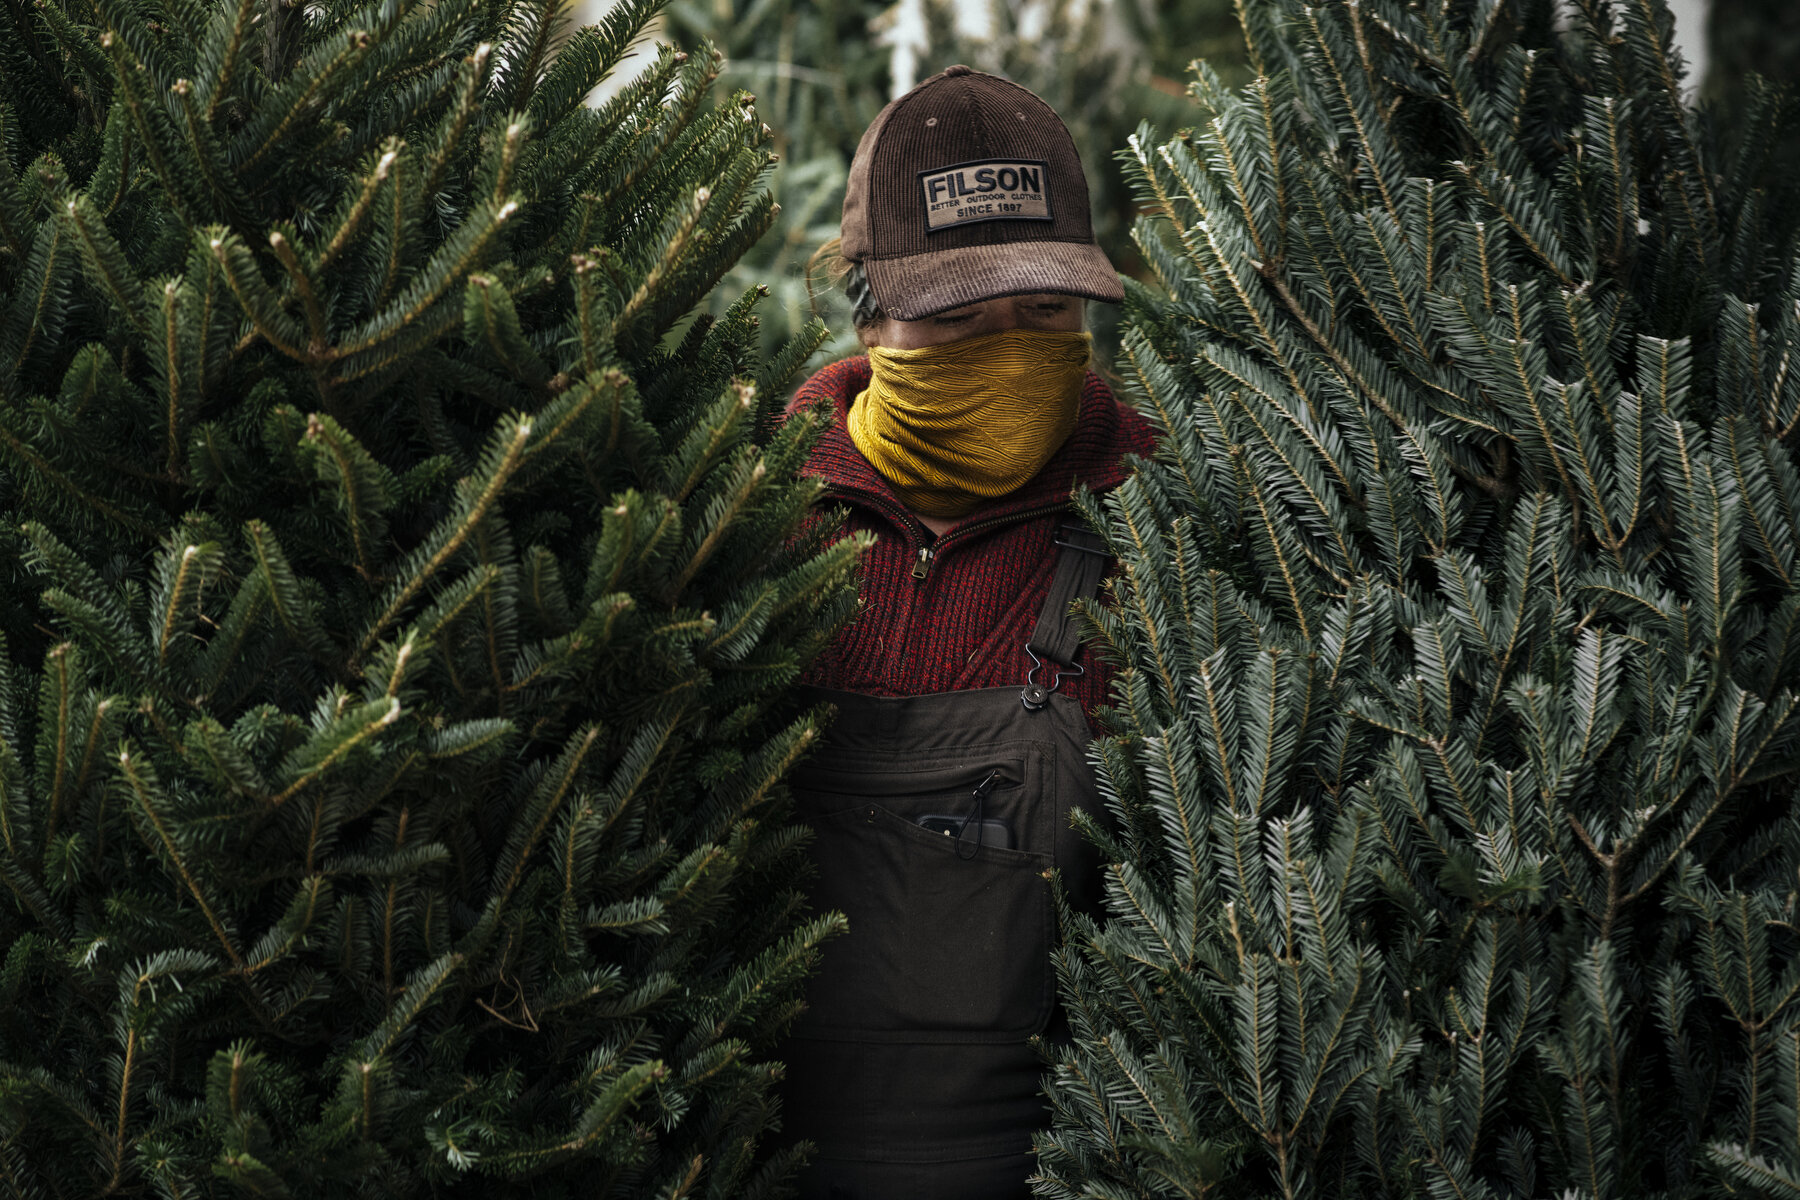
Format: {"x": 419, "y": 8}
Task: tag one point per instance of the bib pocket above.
{"x": 949, "y": 940}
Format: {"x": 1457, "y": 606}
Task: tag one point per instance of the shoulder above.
{"x": 1117, "y": 427}
{"x": 1108, "y": 435}
{"x": 832, "y": 387}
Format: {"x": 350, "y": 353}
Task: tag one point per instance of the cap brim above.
{"x": 919, "y": 285}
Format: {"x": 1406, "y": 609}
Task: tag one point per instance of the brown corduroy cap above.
{"x": 968, "y": 188}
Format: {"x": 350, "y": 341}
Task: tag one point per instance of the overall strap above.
{"x": 1081, "y": 561}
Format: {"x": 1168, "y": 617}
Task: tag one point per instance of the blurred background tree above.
{"x": 1746, "y": 38}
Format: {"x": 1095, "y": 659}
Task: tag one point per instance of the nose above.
{"x": 997, "y": 316}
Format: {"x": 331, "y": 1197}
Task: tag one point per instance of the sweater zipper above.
{"x": 921, "y": 568}
{"x": 962, "y": 532}
{"x": 928, "y": 554}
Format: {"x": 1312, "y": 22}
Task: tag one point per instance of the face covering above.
{"x": 950, "y": 426}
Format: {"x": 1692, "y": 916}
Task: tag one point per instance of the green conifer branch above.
{"x": 186, "y": 572}
{"x": 642, "y": 138}
{"x": 113, "y": 174}
{"x": 83, "y": 53}
{"x": 225, "y": 649}
{"x": 106, "y": 263}
{"x": 175, "y": 386}
{"x": 36, "y": 311}
{"x": 259, "y": 303}
{"x": 351, "y": 226}
{"x": 540, "y": 25}
{"x": 291, "y": 607}
{"x": 134, "y": 771}
{"x": 586, "y": 57}
{"x": 505, "y": 454}
{"x": 102, "y": 723}
{"x": 135, "y": 61}
{"x": 721, "y": 513}
{"x": 208, "y": 157}
{"x": 460, "y": 254}
{"x": 220, "y": 52}
{"x": 1372, "y": 145}
{"x": 425, "y": 987}
{"x": 596, "y": 1120}
{"x": 402, "y": 210}
{"x": 337, "y": 741}
{"x": 364, "y": 489}
{"x": 211, "y": 741}
{"x": 56, "y": 716}
{"x": 534, "y": 820}
{"x": 456, "y": 122}
{"x": 298, "y": 94}
{"x": 120, "y": 1142}
{"x": 17, "y": 446}
{"x": 16, "y": 220}
{"x": 303, "y": 286}
{"x": 673, "y": 251}
{"x": 566, "y": 421}
{"x": 490, "y": 319}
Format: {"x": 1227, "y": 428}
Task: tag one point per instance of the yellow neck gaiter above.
{"x": 950, "y": 426}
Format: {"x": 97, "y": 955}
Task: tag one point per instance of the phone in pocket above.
{"x": 989, "y": 831}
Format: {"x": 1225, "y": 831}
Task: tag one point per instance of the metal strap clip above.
{"x": 1036, "y": 695}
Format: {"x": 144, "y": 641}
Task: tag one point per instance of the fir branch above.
{"x": 298, "y": 94}
{"x": 253, "y": 294}
{"x": 223, "y": 47}
{"x": 291, "y": 607}
{"x": 456, "y": 122}
{"x": 673, "y": 251}
{"x": 310, "y": 763}
{"x": 351, "y": 225}
{"x": 106, "y": 264}
{"x": 505, "y": 455}
{"x": 37, "y": 311}
{"x": 38, "y": 467}
{"x": 141, "y": 786}
{"x": 452, "y": 263}
{"x": 209, "y": 157}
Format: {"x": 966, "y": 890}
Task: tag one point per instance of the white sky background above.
{"x": 1690, "y": 35}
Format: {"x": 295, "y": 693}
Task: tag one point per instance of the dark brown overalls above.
{"x": 938, "y": 820}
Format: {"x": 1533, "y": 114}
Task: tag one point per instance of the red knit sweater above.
{"x": 965, "y": 623}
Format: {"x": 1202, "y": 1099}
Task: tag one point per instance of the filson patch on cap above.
{"x": 993, "y": 189}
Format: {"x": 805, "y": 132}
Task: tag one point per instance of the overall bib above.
{"x": 937, "y": 821}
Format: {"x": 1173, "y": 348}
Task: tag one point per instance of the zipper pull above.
{"x": 977, "y": 815}
{"x": 922, "y": 568}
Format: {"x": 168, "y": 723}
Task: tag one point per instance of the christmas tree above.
{"x": 401, "y": 606}
{"x": 1454, "y": 755}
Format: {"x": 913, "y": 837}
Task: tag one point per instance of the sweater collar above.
{"x": 1092, "y": 456}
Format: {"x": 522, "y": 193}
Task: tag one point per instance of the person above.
{"x": 941, "y": 799}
